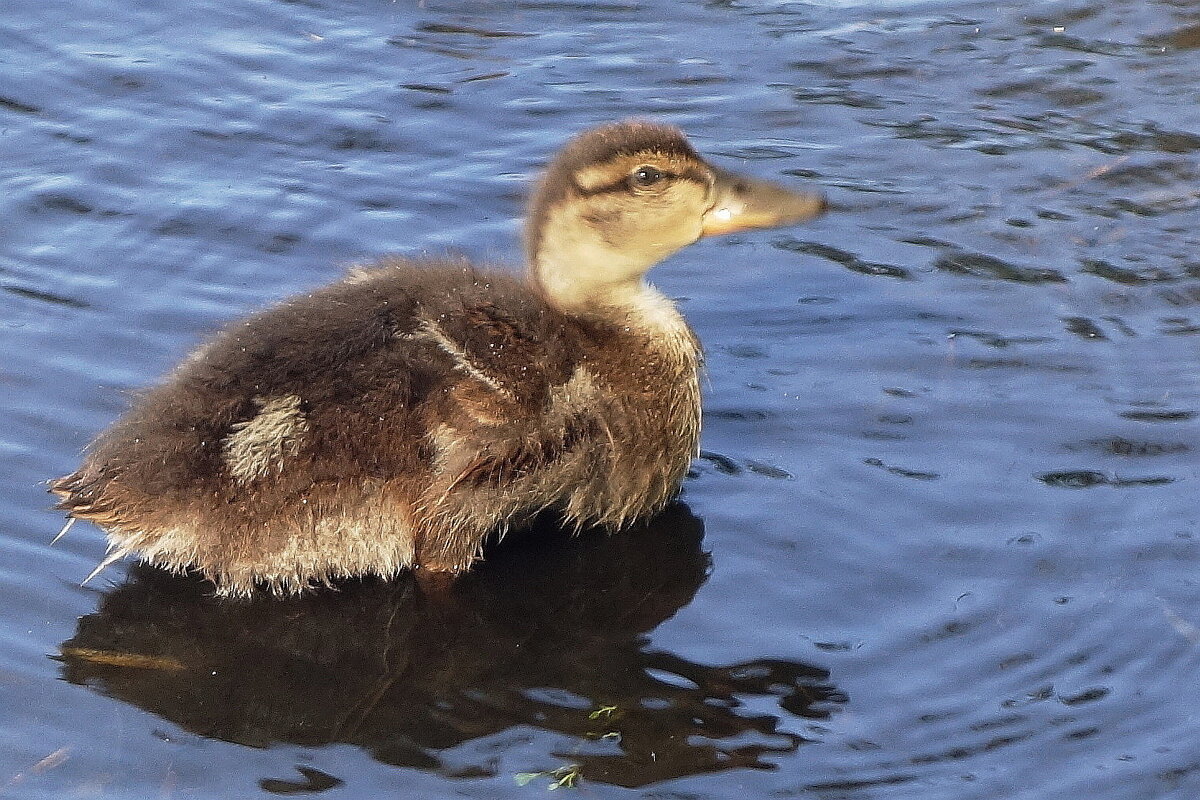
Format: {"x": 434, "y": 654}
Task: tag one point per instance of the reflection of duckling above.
{"x": 432, "y": 686}
{"x": 394, "y": 418}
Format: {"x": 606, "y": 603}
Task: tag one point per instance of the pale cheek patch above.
{"x": 261, "y": 444}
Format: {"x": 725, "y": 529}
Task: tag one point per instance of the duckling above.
{"x": 398, "y": 417}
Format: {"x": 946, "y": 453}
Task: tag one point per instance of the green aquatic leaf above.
{"x": 523, "y": 778}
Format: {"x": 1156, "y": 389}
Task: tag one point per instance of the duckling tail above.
{"x": 81, "y": 495}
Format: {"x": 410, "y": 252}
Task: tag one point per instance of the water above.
{"x": 942, "y": 540}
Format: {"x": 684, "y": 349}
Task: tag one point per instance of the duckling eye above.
{"x": 644, "y": 177}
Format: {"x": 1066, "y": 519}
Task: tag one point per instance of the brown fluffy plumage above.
{"x": 397, "y": 417}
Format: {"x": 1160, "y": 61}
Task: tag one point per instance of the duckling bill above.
{"x": 394, "y": 419}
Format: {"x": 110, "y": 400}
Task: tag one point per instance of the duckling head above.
{"x": 622, "y": 197}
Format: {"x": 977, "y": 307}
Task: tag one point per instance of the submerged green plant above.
{"x": 603, "y": 711}
{"x": 566, "y": 776}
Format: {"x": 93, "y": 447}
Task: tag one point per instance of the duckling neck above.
{"x": 635, "y": 306}
{"x": 592, "y": 298}
{"x": 628, "y": 302}
{"x": 584, "y": 279}
{"x": 579, "y": 270}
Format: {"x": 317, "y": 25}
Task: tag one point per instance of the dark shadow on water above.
{"x": 549, "y": 633}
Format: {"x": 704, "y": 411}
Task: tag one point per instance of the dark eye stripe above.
{"x": 622, "y": 184}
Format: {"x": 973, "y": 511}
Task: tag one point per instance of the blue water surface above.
{"x": 940, "y": 544}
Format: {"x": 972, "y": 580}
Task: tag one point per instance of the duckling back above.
{"x": 394, "y": 419}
